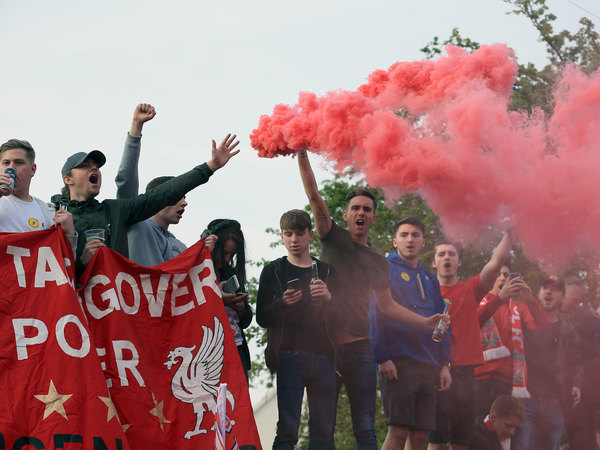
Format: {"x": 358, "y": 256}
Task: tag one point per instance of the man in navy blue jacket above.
{"x": 411, "y": 365}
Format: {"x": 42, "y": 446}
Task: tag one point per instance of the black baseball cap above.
{"x": 77, "y": 159}
{"x": 554, "y": 282}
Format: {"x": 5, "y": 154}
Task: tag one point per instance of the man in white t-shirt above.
{"x": 19, "y": 211}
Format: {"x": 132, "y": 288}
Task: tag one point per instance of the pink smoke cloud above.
{"x": 472, "y": 159}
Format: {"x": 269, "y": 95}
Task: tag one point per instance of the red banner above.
{"x": 52, "y": 392}
{"x": 133, "y": 360}
{"x": 165, "y": 345}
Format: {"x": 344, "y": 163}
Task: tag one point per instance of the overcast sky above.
{"x": 71, "y": 73}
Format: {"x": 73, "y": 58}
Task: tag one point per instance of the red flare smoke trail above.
{"x": 472, "y": 159}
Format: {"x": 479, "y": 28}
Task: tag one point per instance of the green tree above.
{"x": 533, "y": 87}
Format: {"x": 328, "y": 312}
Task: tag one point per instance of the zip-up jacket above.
{"x": 568, "y": 360}
{"x": 418, "y": 290}
{"x": 303, "y": 325}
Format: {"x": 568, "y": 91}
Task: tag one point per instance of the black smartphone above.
{"x": 514, "y": 275}
{"x": 294, "y": 284}
{"x": 231, "y": 285}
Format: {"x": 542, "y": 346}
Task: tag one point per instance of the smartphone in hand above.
{"x": 294, "y": 285}
{"x": 231, "y": 285}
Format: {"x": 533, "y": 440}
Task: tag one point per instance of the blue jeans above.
{"x": 359, "y": 374}
{"x": 315, "y": 372}
{"x": 543, "y": 424}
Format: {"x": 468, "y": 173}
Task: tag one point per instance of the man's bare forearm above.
{"x": 317, "y": 204}
{"x": 499, "y": 257}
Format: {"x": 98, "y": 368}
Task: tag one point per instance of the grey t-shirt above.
{"x": 150, "y": 244}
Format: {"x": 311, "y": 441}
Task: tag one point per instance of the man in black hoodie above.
{"x": 293, "y": 304}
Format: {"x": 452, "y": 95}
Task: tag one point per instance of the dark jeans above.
{"x": 314, "y": 371}
{"x": 359, "y": 374}
{"x": 581, "y": 421}
{"x": 456, "y": 409}
{"x": 487, "y": 391}
{"x": 543, "y": 424}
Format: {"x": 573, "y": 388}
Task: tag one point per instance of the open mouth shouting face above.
{"x": 360, "y": 215}
{"x": 85, "y": 180}
{"x": 446, "y": 259}
{"x": 172, "y": 214}
{"x": 502, "y": 279}
{"x": 550, "y": 298}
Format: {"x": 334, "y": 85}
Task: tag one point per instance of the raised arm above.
{"x": 223, "y": 153}
{"x": 510, "y": 289}
{"x": 317, "y": 204}
{"x": 146, "y": 205}
{"x": 127, "y": 179}
{"x": 499, "y": 256}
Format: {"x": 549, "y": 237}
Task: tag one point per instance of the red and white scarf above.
{"x": 493, "y": 348}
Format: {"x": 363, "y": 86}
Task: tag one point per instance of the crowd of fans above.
{"x": 510, "y": 372}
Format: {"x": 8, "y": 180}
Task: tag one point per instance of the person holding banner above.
{"x": 83, "y": 179}
{"x": 229, "y": 259}
{"x": 19, "y": 210}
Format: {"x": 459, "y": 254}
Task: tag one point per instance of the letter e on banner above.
{"x": 179, "y": 292}
{"x": 210, "y": 280}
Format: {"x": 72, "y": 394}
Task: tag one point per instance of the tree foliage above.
{"x": 533, "y": 87}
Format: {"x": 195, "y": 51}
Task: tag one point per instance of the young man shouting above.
{"x": 456, "y": 408}
{"x": 359, "y": 271}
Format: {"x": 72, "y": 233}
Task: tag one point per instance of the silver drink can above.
{"x": 8, "y": 188}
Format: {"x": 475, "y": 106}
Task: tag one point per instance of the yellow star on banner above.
{"x": 158, "y": 412}
{"x": 54, "y": 401}
{"x": 112, "y": 411}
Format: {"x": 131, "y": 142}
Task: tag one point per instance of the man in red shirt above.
{"x": 456, "y": 408}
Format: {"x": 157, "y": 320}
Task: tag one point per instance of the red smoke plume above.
{"x": 472, "y": 159}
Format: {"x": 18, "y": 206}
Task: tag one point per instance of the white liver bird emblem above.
{"x": 197, "y": 378}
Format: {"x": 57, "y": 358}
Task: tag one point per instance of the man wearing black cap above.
{"x": 555, "y": 373}
{"x": 83, "y": 179}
